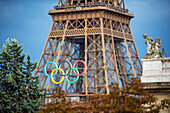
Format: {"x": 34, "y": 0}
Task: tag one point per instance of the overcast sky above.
{"x": 28, "y": 22}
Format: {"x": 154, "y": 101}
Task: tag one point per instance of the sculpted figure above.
{"x": 150, "y": 43}
{"x": 157, "y": 52}
{"x": 153, "y": 48}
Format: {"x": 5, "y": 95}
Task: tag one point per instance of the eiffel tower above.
{"x": 97, "y": 32}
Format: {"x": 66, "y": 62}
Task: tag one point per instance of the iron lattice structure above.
{"x": 98, "y": 33}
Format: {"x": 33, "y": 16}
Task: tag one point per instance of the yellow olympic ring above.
{"x": 62, "y": 77}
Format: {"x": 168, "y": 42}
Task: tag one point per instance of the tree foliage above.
{"x": 19, "y": 90}
{"x": 132, "y": 99}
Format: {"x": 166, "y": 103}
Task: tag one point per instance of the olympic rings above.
{"x": 84, "y": 67}
{"x": 68, "y": 71}
{"x": 76, "y": 78}
{"x": 52, "y": 76}
{"x": 46, "y": 66}
{"x": 69, "y": 65}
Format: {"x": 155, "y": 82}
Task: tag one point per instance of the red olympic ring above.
{"x": 84, "y": 67}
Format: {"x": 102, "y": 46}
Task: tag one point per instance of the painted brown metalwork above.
{"x": 97, "y": 32}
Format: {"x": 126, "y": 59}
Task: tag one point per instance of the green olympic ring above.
{"x": 76, "y": 72}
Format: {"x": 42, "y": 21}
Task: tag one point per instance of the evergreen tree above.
{"x": 19, "y": 90}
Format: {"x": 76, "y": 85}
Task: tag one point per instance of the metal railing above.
{"x": 79, "y": 7}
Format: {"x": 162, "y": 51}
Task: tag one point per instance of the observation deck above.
{"x": 91, "y": 6}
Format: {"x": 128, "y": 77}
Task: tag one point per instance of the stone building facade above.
{"x": 156, "y": 75}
